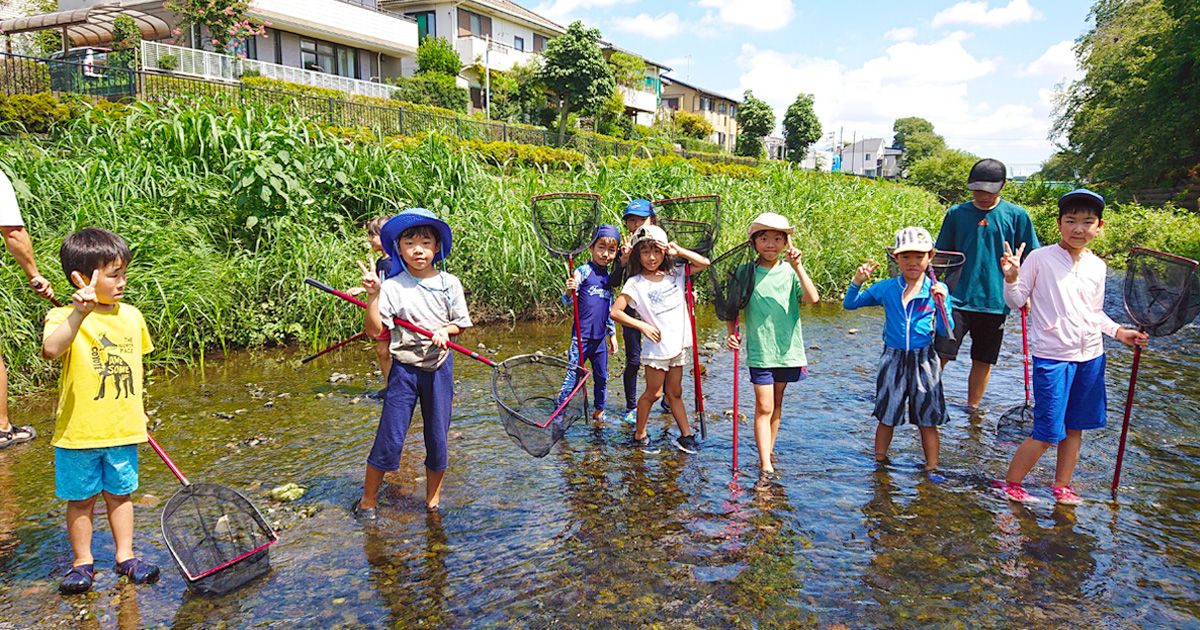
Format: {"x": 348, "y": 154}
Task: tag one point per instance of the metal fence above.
{"x": 31, "y": 75}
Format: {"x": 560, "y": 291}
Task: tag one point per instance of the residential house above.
{"x": 641, "y": 100}
{"x": 869, "y": 157}
{"x": 717, "y": 109}
{"x": 500, "y": 34}
{"x": 775, "y": 147}
{"x": 346, "y": 44}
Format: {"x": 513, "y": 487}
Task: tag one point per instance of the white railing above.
{"x": 638, "y": 99}
{"x": 503, "y": 57}
{"x": 210, "y": 65}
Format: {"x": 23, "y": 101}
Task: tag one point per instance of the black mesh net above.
{"x": 217, "y": 538}
{"x": 539, "y": 397}
{"x": 947, "y": 265}
{"x": 1015, "y": 424}
{"x": 1162, "y": 291}
{"x": 690, "y": 221}
{"x": 564, "y": 221}
{"x": 732, "y": 275}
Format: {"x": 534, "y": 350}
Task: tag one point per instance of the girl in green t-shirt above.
{"x": 774, "y": 343}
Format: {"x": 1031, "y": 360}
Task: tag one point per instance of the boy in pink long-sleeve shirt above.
{"x": 1064, "y": 284}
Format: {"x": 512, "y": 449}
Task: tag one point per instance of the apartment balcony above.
{"x": 638, "y": 99}
{"x": 503, "y": 57}
{"x": 210, "y": 65}
{"x": 346, "y": 22}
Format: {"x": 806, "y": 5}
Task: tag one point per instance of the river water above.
{"x": 597, "y": 533}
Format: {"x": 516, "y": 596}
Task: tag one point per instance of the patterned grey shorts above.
{"x": 909, "y": 388}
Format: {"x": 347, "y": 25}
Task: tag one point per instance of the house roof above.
{"x": 506, "y": 8}
{"x": 668, "y": 80}
{"x": 92, "y": 25}
{"x": 616, "y": 48}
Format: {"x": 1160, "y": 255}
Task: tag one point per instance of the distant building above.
{"x": 775, "y": 147}
{"x": 870, "y": 157}
{"x": 716, "y": 108}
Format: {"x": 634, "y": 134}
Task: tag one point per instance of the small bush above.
{"x": 694, "y": 126}
{"x": 509, "y": 153}
{"x": 439, "y": 90}
{"x": 168, "y": 62}
{"x": 436, "y": 55}
{"x": 35, "y": 112}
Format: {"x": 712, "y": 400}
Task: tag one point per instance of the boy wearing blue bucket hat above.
{"x": 423, "y": 367}
{"x": 594, "y": 283}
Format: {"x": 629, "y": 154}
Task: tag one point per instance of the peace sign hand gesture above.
{"x": 84, "y": 298}
{"x": 864, "y": 271}
{"x": 1010, "y": 262}
{"x": 370, "y": 279}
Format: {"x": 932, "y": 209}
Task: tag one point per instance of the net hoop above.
{"x": 241, "y": 503}
{"x": 503, "y": 366}
{"x": 697, "y": 233}
{"x": 732, "y": 277}
{"x": 582, "y": 232}
{"x": 1185, "y": 293}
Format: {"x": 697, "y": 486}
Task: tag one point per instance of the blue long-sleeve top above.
{"x": 906, "y": 327}
{"x": 595, "y": 301}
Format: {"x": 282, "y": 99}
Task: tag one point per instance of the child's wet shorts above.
{"x": 987, "y": 335}
{"x": 909, "y": 388}
{"x": 1067, "y": 395}
{"x": 665, "y": 365}
{"x": 81, "y": 473}
{"x": 770, "y": 376}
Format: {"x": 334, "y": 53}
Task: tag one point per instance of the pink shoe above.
{"x": 1066, "y": 496}
{"x": 1016, "y": 492}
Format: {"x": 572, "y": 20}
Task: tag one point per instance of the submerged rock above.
{"x": 287, "y": 492}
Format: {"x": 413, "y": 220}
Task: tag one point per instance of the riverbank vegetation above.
{"x": 227, "y": 213}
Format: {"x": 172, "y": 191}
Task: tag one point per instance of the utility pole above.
{"x": 487, "y": 81}
{"x": 853, "y": 151}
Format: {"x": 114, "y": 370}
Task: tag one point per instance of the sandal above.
{"x": 77, "y": 580}
{"x": 16, "y": 435}
{"x": 137, "y": 571}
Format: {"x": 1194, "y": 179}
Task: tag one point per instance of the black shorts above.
{"x": 987, "y": 333}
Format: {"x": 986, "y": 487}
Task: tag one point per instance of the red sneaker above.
{"x": 1016, "y": 492}
{"x": 1066, "y": 496}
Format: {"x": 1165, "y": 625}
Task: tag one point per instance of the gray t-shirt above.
{"x": 431, "y": 303}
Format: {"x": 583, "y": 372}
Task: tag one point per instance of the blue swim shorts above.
{"x": 1067, "y": 395}
{"x": 770, "y": 376}
{"x": 81, "y": 473}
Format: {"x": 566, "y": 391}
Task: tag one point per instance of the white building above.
{"x": 870, "y": 157}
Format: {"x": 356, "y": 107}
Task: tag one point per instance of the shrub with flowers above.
{"x": 226, "y": 21}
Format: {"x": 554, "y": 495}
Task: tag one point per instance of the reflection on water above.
{"x": 600, "y": 534}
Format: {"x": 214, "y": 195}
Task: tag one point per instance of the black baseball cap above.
{"x": 987, "y": 175}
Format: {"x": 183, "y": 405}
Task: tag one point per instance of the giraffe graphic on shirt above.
{"x": 109, "y": 364}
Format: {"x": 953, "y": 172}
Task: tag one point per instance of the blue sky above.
{"x": 983, "y": 71}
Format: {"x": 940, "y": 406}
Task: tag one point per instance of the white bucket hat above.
{"x": 912, "y": 239}
{"x": 651, "y": 233}
{"x": 770, "y": 221}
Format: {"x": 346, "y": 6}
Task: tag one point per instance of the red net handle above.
{"x": 399, "y": 322}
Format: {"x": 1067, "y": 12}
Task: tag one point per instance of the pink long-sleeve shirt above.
{"x": 1066, "y": 311}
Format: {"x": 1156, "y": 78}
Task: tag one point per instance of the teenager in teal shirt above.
{"x": 979, "y": 229}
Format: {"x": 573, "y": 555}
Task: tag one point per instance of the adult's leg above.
{"x": 977, "y": 382}
{"x": 633, "y": 363}
{"x": 673, "y": 393}
{"x": 120, "y": 519}
{"x": 79, "y": 529}
{"x": 654, "y": 386}
{"x": 764, "y": 410}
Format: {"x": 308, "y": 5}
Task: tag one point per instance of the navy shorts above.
{"x": 407, "y": 386}
{"x": 770, "y": 376}
{"x": 987, "y": 335}
{"x": 1067, "y": 395}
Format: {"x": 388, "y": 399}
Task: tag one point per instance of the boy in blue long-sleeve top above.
{"x": 593, "y": 282}
{"x": 909, "y": 385}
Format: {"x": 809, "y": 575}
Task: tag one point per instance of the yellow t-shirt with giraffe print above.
{"x": 100, "y": 397}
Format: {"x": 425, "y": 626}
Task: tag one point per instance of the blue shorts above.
{"x": 1067, "y": 395}
{"x": 81, "y": 473}
{"x": 407, "y": 386}
{"x": 770, "y": 376}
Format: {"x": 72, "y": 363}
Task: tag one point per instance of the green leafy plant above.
{"x": 436, "y": 55}
{"x": 576, "y": 73}
{"x": 755, "y": 119}
{"x": 801, "y": 128}
{"x": 168, "y": 62}
{"x": 227, "y": 21}
{"x": 36, "y": 113}
{"x": 690, "y": 125}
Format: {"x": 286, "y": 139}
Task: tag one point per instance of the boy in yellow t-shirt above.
{"x": 101, "y": 419}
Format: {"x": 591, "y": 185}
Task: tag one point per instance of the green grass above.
{"x": 228, "y": 213}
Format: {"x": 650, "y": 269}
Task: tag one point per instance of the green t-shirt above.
{"x": 980, "y": 235}
{"x": 772, "y": 332}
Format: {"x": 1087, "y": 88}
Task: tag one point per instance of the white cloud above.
{"x": 758, "y": 15}
{"x": 928, "y": 80}
{"x": 978, "y": 13}
{"x": 565, "y": 11}
{"x": 901, "y": 34}
{"x": 653, "y": 27}
{"x": 1058, "y": 62}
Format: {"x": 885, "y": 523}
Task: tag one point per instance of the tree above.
{"x": 627, "y": 70}
{"x": 944, "y": 174}
{"x": 800, "y": 128}
{"x": 1134, "y": 117}
{"x": 916, "y": 139}
{"x": 437, "y": 55}
{"x": 517, "y": 96}
{"x": 227, "y": 21}
{"x": 691, "y": 125}
{"x": 576, "y": 73}
{"x": 756, "y": 119}
{"x": 126, "y": 42}
{"x": 1063, "y": 166}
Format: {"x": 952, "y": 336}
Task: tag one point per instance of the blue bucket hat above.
{"x": 411, "y": 218}
{"x": 1081, "y": 197}
{"x": 605, "y": 230}
{"x": 639, "y": 208}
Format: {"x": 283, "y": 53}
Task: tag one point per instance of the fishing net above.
{"x": 564, "y": 221}
{"x": 1014, "y": 424}
{"x": 216, "y": 536}
{"x": 947, "y": 265}
{"x": 1162, "y": 291}
{"x": 537, "y": 405}
{"x": 732, "y": 275}
{"x": 690, "y": 221}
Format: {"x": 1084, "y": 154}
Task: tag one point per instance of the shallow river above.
{"x": 597, "y": 533}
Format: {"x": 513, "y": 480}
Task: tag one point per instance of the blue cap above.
{"x": 411, "y": 218}
{"x": 639, "y": 208}
{"x": 1081, "y": 197}
{"x": 605, "y": 230}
